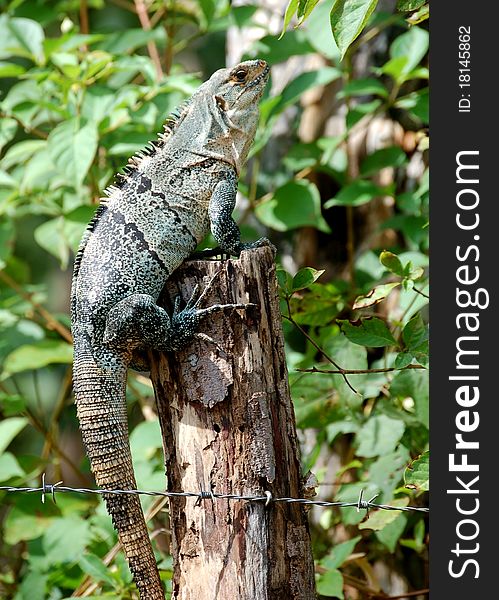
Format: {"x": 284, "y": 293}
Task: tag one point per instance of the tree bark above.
{"x": 228, "y": 426}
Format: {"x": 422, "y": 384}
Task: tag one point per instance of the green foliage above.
{"x": 74, "y": 105}
{"x": 417, "y": 473}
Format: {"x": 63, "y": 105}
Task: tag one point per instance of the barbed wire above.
{"x": 267, "y": 498}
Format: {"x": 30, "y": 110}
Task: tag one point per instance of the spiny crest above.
{"x": 134, "y": 162}
{"x": 90, "y": 227}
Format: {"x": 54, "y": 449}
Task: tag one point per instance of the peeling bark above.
{"x": 228, "y": 426}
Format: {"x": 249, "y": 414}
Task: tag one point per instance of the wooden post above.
{"x": 228, "y": 426}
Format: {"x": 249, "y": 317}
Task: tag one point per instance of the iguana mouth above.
{"x": 263, "y": 75}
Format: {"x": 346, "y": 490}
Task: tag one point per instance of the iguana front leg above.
{"x": 223, "y": 227}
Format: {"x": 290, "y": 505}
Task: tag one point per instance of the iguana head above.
{"x": 238, "y": 90}
{"x": 221, "y": 117}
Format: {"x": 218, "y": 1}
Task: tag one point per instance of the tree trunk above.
{"x": 228, "y": 427}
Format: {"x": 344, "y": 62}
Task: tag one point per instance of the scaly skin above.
{"x": 152, "y": 221}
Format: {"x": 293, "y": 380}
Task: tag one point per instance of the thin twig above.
{"x": 38, "y": 132}
{"x": 84, "y": 17}
{"x": 170, "y": 37}
{"x": 420, "y": 292}
{"x": 317, "y": 347}
{"x": 151, "y": 46}
{"x": 39, "y": 426}
{"x": 50, "y": 321}
{"x": 424, "y": 592}
{"x": 359, "y": 371}
{"x": 360, "y": 585}
{"x": 64, "y": 393}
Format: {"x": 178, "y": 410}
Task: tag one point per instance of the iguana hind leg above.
{"x": 138, "y": 322}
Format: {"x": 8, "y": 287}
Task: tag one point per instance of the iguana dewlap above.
{"x": 154, "y": 217}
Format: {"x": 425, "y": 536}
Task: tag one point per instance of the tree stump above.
{"x": 228, "y": 427}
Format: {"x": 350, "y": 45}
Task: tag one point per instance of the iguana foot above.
{"x": 137, "y": 322}
{"x": 185, "y": 322}
{"x": 263, "y": 241}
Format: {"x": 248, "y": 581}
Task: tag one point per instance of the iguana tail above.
{"x": 101, "y": 408}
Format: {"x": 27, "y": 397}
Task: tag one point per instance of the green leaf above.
{"x": 417, "y": 543}
{"x": 128, "y": 40}
{"x": 11, "y": 404}
{"x": 319, "y": 36}
{"x": 339, "y": 554}
{"x": 385, "y": 157}
{"x": 301, "y": 156}
{"x": 288, "y": 15}
{"x": 243, "y": 14}
{"x": 392, "y": 263}
{"x": 419, "y": 16}
{"x": 330, "y": 584}
{"x": 415, "y": 336}
{"x": 7, "y": 237}
{"x": 410, "y": 46}
{"x": 355, "y": 194}
{"x": 295, "y": 204}
{"x": 390, "y": 534}
{"x": 305, "y": 7}
{"x": 380, "y": 435}
{"x": 208, "y": 7}
{"x": 414, "y": 383}
{"x": 416, "y": 103}
{"x": 8, "y": 69}
{"x": 377, "y": 294}
{"x": 21, "y": 152}
{"x": 285, "y": 280}
{"x": 61, "y": 235}
{"x": 403, "y": 359}
{"x": 348, "y": 18}
{"x": 301, "y": 84}
{"x": 388, "y": 470}
{"x": 36, "y": 356}
{"x": 33, "y": 586}
{"x": 145, "y": 440}
{"x": 364, "y": 87}
{"x": 319, "y": 307}
{"x": 275, "y": 50}
{"x": 52, "y": 238}
{"x": 21, "y": 37}
{"x": 408, "y": 5}
{"x": 9, "y": 429}
{"x": 394, "y": 67}
{"x": 341, "y": 427}
{"x": 25, "y": 521}
{"x": 370, "y": 331}
{"x": 359, "y": 111}
{"x": 58, "y": 546}
{"x": 72, "y": 148}
{"x": 347, "y": 355}
{"x": 417, "y": 474}
{"x": 305, "y": 277}
{"x": 8, "y": 128}
{"x": 93, "y": 566}
{"x": 381, "y": 518}
{"x": 9, "y": 467}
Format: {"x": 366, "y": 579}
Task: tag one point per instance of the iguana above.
{"x": 165, "y": 203}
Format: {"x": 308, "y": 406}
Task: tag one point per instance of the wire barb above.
{"x": 49, "y": 488}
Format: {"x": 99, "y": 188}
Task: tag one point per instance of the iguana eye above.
{"x": 240, "y": 75}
